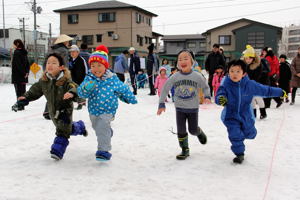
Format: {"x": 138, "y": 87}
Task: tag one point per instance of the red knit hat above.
{"x": 100, "y": 55}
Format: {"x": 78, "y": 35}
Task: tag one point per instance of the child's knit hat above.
{"x": 100, "y": 55}
{"x": 249, "y": 52}
{"x": 162, "y": 68}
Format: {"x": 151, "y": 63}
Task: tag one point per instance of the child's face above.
{"x": 185, "y": 61}
{"x": 165, "y": 62}
{"x": 53, "y": 67}
{"x": 163, "y": 72}
{"x": 98, "y": 69}
{"x": 219, "y": 71}
{"x": 282, "y": 60}
{"x": 236, "y": 73}
{"x": 249, "y": 60}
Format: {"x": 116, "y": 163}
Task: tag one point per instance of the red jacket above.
{"x": 274, "y": 65}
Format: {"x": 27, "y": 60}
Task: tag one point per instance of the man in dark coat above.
{"x": 152, "y": 66}
{"x": 134, "y": 68}
{"x": 213, "y": 60}
{"x": 285, "y": 75}
{"x": 20, "y": 69}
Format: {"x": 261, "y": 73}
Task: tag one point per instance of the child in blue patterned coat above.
{"x": 235, "y": 94}
{"x": 102, "y": 88}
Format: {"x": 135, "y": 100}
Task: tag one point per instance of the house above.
{"x": 115, "y": 24}
{"x": 290, "y": 41}
{"x": 234, "y": 37}
{"x": 175, "y": 43}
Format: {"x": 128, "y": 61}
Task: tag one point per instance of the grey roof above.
{"x": 100, "y": 5}
{"x": 183, "y": 37}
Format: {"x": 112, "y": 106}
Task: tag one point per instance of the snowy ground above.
{"x": 143, "y": 165}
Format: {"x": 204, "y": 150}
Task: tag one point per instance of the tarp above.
{"x": 4, "y": 53}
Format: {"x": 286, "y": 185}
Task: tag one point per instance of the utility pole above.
{"x": 22, "y": 20}
{"x": 50, "y": 36}
{"x": 4, "y": 45}
{"x": 35, "y": 10}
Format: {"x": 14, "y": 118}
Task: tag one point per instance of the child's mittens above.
{"x": 222, "y": 100}
{"x": 90, "y": 85}
{"x": 284, "y": 95}
{"x": 19, "y": 103}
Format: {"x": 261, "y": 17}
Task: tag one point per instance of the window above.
{"x": 110, "y": 33}
{"x": 146, "y": 40}
{"x": 202, "y": 44}
{"x": 6, "y": 33}
{"x": 87, "y": 39}
{"x": 294, "y": 32}
{"x": 293, "y": 47}
{"x": 191, "y": 44}
{"x": 138, "y": 18}
{"x": 256, "y": 39}
{"x": 99, "y": 37}
{"x": 294, "y": 39}
{"x": 107, "y": 17}
{"x": 73, "y": 41}
{"x": 225, "y": 39}
{"x": 139, "y": 40}
{"x": 73, "y": 19}
{"x": 148, "y": 21}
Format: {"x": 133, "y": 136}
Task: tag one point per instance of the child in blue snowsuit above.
{"x": 235, "y": 94}
{"x": 102, "y": 88}
{"x": 141, "y": 79}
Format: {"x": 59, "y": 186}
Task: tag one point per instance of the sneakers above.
{"x": 201, "y": 137}
{"x": 103, "y": 155}
{"x": 238, "y": 159}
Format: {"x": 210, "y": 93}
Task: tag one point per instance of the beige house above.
{"x": 115, "y": 24}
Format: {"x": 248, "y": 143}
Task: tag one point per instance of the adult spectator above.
{"x": 273, "y": 76}
{"x": 121, "y": 65}
{"x": 213, "y": 60}
{"x": 84, "y": 52}
{"x": 20, "y": 69}
{"x": 152, "y": 66}
{"x": 295, "y": 83}
{"x": 134, "y": 68}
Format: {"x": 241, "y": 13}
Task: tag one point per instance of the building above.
{"x": 290, "y": 41}
{"x": 175, "y": 43}
{"x": 115, "y": 24}
{"x": 12, "y": 33}
{"x": 234, "y": 36}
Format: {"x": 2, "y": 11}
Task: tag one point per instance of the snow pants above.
{"x": 237, "y": 132}
{"x": 101, "y": 125}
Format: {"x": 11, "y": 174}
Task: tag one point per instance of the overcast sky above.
{"x": 174, "y": 17}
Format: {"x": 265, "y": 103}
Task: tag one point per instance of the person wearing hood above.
{"x": 295, "y": 82}
{"x": 60, "y": 47}
{"x": 254, "y": 70}
{"x": 121, "y": 65}
{"x": 160, "y": 80}
{"x": 152, "y": 66}
{"x": 20, "y": 69}
{"x": 103, "y": 88}
{"x": 285, "y": 75}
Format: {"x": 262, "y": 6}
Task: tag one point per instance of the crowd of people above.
{"x": 72, "y": 74}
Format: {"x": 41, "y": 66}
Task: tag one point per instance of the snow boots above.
{"x": 183, "y": 143}
{"x": 59, "y": 147}
{"x": 103, "y": 155}
{"x": 263, "y": 113}
{"x": 201, "y": 136}
{"x": 78, "y": 128}
{"x": 239, "y": 159}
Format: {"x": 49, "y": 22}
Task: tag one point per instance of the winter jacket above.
{"x": 212, "y": 61}
{"x": 274, "y": 65}
{"x": 295, "y": 68}
{"x": 216, "y": 82}
{"x": 135, "y": 64}
{"x": 103, "y": 95}
{"x": 239, "y": 96}
{"x": 121, "y": 65}
{"x": 54, "y": 89}
{"x": 160, "y": 82}
{"x": 78, "y": 68}
{"x": 285, "y": 76}
{"x": 20, "y": 66}
{"x": 152, "y": 64}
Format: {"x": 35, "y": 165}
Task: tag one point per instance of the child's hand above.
{"x": 90, "y": 85}
{"x": 207, "y": 101}
{"x": 222, "y": 100}
{"x": 284, "y": 95}
{"x": 21, "y": 98}
{"x": 160, "y": 110}
{"x": 68, "y": 95}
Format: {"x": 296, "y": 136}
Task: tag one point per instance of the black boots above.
{"x": 183, "y": 143}
{"x": 239, "y": 159}
{"x": 263, "y": 113}
{"x": 201, "y": 137}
